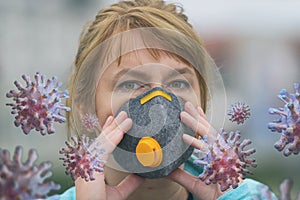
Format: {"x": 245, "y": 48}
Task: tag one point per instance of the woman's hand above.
{"x": 194, "y": 185}
{"x": 196, "y": 119}
{"x": 111, "y": 135}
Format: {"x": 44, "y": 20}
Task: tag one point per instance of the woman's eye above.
{"x": 129, "y": 86}
{"x": 178, "y": 84}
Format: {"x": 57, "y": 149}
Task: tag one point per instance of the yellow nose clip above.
{"x": 149, "y": 152}
{"x": 153, "y": 94}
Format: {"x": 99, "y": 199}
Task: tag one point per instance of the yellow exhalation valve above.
{"x": 149, "y": 152}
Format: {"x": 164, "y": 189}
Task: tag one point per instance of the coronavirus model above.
{"x": 39, "y": 104}
{"x": 24, "y": 180}
{"x": 225, "y": 161}
{"x": 265, "y": 193}
{"x": 84, "y": 158}
{"x": 90, "y": 122}
{"x": 285, "y": 189}
{"x": 238, "y": 112}
{"x": 288, "y": 123}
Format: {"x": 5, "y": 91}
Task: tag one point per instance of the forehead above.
{"x": 144, "y": 58}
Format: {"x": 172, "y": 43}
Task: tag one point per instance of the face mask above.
{"x": 153, "y": 147}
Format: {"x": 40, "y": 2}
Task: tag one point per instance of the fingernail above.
{"x": 187, "y": 139}
{"x": 121, "y": 114}
{"x": 109, "y": 120}
{"x": 119, "y": 132}
{"x": 185, "y": 135}
{"x": 125, "y": 125}
{"x": 183, "y": 114}
{"x": 199, "y": 109}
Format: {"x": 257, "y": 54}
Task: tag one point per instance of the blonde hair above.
{"x": 133, "y": 14}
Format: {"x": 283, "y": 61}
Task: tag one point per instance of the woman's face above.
{"x": 139, "y": 72}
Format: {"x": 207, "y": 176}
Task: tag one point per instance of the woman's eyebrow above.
{"x": 147, "y": 75}
{"x": 181, "y": 71}
{"x": 132, "y": 73}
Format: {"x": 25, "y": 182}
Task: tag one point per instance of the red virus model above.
{"x": 39, "y": 104}
{"x": 83, "y": 159}
{"x": 24, "y": 180}
{"x": 225, "y": 160}
{"x": 239, "y": 112}
{"x": 90, "y": 122}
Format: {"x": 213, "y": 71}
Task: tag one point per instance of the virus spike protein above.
{"x": 225, "y": 160}
{"x": 24, "y": 180}
{"x": 239, "y": 112}
{"x": 38, "y": 105}
{"x": 289, "y": 122}
{"x": 83, "y": 158}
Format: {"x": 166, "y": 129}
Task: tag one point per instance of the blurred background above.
{"x": 256, "y": 45}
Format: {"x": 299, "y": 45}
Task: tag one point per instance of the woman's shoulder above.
{"x": 249, "y": 190}
{"x": 69, "y": 194}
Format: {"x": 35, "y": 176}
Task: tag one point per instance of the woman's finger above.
{"x": 110, "y": 140}
{"x": 201, "y": 113}
{"x": 190, "y": 108}
{"x": 190, "y": 182}
{"x": 191, "y": 122}
{"x": 108, "y": 121}
{"x": 195, "y": 185}
{"x": 116, "y": 122}
{"x": 117, "y": 134}
{"x": 127, "y": 186}
{"x": 192, "y": 141}
{"x": 197, "y": 114}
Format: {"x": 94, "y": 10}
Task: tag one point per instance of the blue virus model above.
{"x": 83, "y": 158}
{"x": 225, "y": 160}
{"x": 289, "y": 122}
{"x": 38, "y": 105}
{"x": 239, "y": 112}
{"x": 24, "y": 180}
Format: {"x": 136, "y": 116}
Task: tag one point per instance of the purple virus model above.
{"x": 239, "y": 112}
{"x": 90, "y": 122}
{"x": 289, "y": 122}
{"x": 83, "y": 159}
{"x": 24, "y": 180}
{"x": 265, "y": 193}
{"x": 285, "y": 188}
{"x": 225, "y": 160}
{"x": 39, "y": 104}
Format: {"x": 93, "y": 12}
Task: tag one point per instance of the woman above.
{"x": 131, "y": 47}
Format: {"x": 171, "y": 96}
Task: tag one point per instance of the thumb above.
{"x": 194, "y": 185}
{"x": 129, "y": 185}
{"x": 190, "y": 182}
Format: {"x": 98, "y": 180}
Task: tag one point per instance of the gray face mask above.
{"x": 153, "y": 147}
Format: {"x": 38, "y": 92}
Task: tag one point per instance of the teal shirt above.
{"x": 248, "y": 190}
